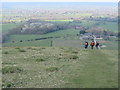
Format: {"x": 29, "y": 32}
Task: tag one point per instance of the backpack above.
{"x": 97, "y": 44}
{"x": 92, "y": 43}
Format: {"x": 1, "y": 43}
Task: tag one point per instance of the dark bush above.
{"x": 40, "y": 60}
{"x": 29, "y": 48}
{"x": 43, "y": 48}
{"x": 52, "y": 69}
{"x": 7, "y": 85}
{"x": 11, "y": 69}
{"x": 17, "y": 48}
{"x": 74, "y": 57}
{"x": 6, "y": 52}
{"x": 22, "y": 50}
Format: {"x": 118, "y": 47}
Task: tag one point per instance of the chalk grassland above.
{"x": 58, "y": 67}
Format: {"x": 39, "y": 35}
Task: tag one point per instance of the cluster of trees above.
{"x": 38, "y": 28}
{"x": 35, "y": 27}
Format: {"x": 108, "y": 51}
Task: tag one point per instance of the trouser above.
{"x": 97, "y": 47}
{"x": 86, "y": 46}
{"x": 92, "y": 46}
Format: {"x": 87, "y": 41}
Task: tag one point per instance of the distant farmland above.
{"x": 68, "y": 33}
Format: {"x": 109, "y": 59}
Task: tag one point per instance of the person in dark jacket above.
{"x": 86, "y": 44}
{"x": 97, "y": 45}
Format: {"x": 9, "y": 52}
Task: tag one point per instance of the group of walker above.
{"x": 92, "y": 44}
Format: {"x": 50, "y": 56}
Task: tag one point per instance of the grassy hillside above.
{"x": 57, "y": 67}
{"x": 31, "y": 43}
{"x": 71, "y": 41}
{"x": 34, "y": 64}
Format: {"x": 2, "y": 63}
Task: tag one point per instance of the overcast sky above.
{"x": 59, "y": 0}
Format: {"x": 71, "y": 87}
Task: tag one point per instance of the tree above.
{"x": 82, "y": 32}
{"x": 105, "y": 32}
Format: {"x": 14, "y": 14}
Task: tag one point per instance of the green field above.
{"x": 85, "y": 23}
{"x": 61, "y": 33}
{"x": 58, "y": 67}
{"x": 111, "y": 26}
{"x": 7, "y": 27}
{"x": 67, "y": 38}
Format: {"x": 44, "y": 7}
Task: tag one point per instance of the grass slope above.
{"x": 30, "y": 43}
{"x": 57, "y": 67}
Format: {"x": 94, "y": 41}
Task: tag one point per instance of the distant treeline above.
{"x": 41, "y": 38}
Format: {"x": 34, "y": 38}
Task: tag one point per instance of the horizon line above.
{"x": 60, "y": 1}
